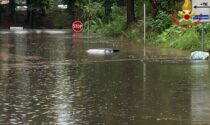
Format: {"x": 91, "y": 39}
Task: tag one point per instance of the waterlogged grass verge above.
{"x": 177, "y": 37}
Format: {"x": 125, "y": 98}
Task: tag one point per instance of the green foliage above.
{"x": 134, "y": 33}
{"x": 117, "y": 25}
{"x": 53, "y": 5}
{"x": 39, "y": 4}
{"x": 166, "y": 5}
{"x": 92, "y": 14}
{"x": 70, "y": 3}
{"x": 190, "y": 40}
{"x": 206, "y": 28}
{"x": 151, "y": 33}
{"x": 92, "y": 11}
{"x": 138, "y": 9}
{"x": 162, "y": 22}
{"x": 93, "y": 25}
{"x": 207, "y": 34}
{"x": 61, "y": 21}
{"x": 177, "y": 37}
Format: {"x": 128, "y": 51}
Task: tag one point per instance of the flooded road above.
{"x": 47, "y": 78}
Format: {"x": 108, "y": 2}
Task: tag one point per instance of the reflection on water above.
{"x": 48, "y": 79}
{"x": 200, "y": 94}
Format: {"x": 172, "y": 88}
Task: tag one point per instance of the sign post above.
{"x": 144, "y": 30}
{"x": 77, "y": 26}
{"x": 202, "y": 10}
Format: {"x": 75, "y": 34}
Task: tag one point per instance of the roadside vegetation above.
{"x": 111, "y": 18}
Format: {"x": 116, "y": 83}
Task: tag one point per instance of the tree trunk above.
{"x": 130, "y": 12}
{"x": 31, "y": 14}
{"x": 12, "y": 10}
{"x": 28, "y": 17}
{"x": 0, "y": 12}
{"x": 155, "y": 7}
{"x": 71, "y": 8}
{"x": 121, "y": 2}
{"x": 108, "y": 10}
{"x": 43, "y": 11}
{"x": 33, "y": 18}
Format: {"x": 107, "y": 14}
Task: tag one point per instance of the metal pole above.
{"x": 144, "y": 29}
{"x": 89, "y": 18}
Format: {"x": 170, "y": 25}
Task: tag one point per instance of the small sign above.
{"x": 77, "y": 26}
{"x": 16, "y": 28}
{"x": 201, "y": 17}
{"x": 202, "y": 10}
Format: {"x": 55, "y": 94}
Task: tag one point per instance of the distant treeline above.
{"x": 84, "y": 9}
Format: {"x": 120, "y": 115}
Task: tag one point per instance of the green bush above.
{"x": 189, "y": 40}
{"x": 161, "y": 22}
{"x": 117, "y": 25}
{"x": 177, "y": 37}
{"x": 206, "y": 34}
{"x": 92, "y": 15}
{"x": 93, "y": 25}
{"x": 133, "y": 33}
{"x": 61, "y": 21}
{"x": 92, "y": 10}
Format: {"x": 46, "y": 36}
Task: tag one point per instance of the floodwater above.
{"x": 47, "y": 78}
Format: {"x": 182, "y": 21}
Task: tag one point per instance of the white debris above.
{"x": 101, "y": 51}
{"x": 63, "y": 6}
{"x": 199, "y": 55}
{"x": 16, "y": 28}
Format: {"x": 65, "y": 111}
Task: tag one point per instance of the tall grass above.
{"x": 177, "y": 37}
{"x": 118, "y": 23}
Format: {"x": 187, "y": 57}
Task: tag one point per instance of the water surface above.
{"x": 46, "y": 78}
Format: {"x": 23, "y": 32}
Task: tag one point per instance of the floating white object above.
{"x": 199, "y": 55}
{"x": 102, "y": 51}
{"x": 16, "y": 28}
{"x": 61, "y": 6}
{"x": 4, "y": 1}
{"x": 21, "y": 8}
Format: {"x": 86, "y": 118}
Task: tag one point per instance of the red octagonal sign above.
{"x": 77, "y": 26}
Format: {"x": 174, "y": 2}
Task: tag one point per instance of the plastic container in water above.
{"x": 101, "y": 51}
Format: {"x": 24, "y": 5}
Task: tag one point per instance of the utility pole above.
{"x": 12, "y": 10}
{"x": 89, "y": 18}
{"x": 144, "y": 29}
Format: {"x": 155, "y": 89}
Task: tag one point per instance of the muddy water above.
{"x": 46, "y": 78}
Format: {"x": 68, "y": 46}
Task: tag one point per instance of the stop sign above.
{"x": 77, "y": 26}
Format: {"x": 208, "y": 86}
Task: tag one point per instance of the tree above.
{"x": 108, "y": 8}
{"x": 12, "y": 10}
{"x": 155, "y": 7}
{"x": 71, "y": 7}
{"x": 167, "y": 6}
{"x": 0, "y": 12}
{"x": 120, "y": 2}
{"x": 28, "y": 3}
{"x": 44, "y": 5}
{"x": 36, "y": 8}
{"x": 130, "y": 12}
